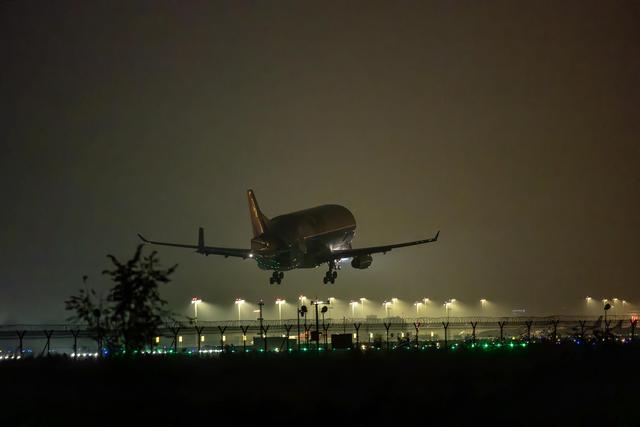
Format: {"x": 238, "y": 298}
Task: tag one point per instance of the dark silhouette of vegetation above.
{"x": 92, "y": 310}
{"x": 133, "y": 311}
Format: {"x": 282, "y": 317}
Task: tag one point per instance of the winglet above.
{"x": 142, "y": 238}
{"x": 437, "y": 234}
{"x": 200, "y": 239}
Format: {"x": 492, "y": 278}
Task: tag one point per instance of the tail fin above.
{"x": 258, "y": 220}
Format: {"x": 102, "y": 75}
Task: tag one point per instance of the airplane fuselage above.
{"x": 304, "y": 239}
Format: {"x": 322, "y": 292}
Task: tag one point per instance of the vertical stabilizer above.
{"x": 258, "y": 220}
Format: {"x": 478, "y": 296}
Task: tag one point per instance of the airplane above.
{"x": 301, "y": 239}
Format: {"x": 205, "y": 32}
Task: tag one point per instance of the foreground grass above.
{"x": 575, "y": 384}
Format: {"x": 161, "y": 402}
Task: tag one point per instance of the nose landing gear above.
{"x": 276, "y": 277}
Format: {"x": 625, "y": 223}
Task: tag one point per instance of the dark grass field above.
{"x": 554, "y": 385}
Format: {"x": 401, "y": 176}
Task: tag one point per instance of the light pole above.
{"x": 239, "y": 302}
{"x": 280, "y": 302}
{"x": 317, "y": 332}
{"x": 447, "y": 306}
{"x": 362, "y": 300}
{"x": 417, "y": 304}
{"x": 353, "y": 305}
{"x": 386, "y": 306}
{"x": 483, "y": 303}
{"x": 301, "y": 311}
{"x": 195, "y": 301}
{"x": 425, "y": 301}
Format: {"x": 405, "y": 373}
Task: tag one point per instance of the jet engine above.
{"x": 361, "y": 261}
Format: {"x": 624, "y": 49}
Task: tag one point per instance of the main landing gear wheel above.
{"x": 330, "y": 277}
{"x": 276, "y": 277}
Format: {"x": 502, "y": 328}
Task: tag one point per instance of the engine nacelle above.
{"x": 361, "y": 261}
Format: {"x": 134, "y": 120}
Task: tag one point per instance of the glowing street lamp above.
{"x": 362, "y": 300}
{"x": 425, "y": 301}
{"x": 239, "y": 302}
{"x": 447, "y": 306}
{"x": 386, "y": 305}
{"x": 353, "y": 305}
{"x": 195, "y": 301}
{"x": 302, "y": 299}
{"x": 483, "y": 304}
{"x": 417, "y": 304}
{"x": 280, "y": 302}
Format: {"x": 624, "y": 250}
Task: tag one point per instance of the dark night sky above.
{"x": 511, "y": 127}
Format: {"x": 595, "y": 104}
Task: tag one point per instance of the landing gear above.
{"x": 276, "y": 277}
{"x": 331, "y": 275}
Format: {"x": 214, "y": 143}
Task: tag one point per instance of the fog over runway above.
{"x": 510, "y": 127}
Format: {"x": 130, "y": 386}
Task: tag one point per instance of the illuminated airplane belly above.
{"x": 282, "y": 262}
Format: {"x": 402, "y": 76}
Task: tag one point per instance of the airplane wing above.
{"x": 348, "y": 253}
{"x": 205, "y": 250}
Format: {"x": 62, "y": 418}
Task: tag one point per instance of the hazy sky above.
{"x": 512, "y": 127}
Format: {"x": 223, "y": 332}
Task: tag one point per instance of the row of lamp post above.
{"x": 387, "y": 305}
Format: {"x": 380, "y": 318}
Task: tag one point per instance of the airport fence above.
{"x": 42, "y": 339}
